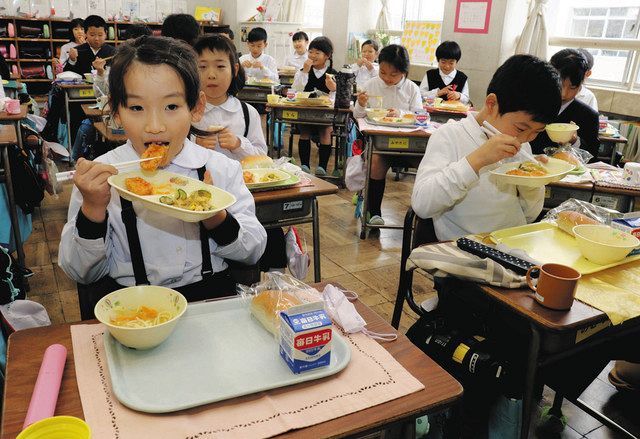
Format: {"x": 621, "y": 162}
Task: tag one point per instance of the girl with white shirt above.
{"x": 299, "y": 56}
{"x": 155, "y": 96}
{"x": 316, "y": 74}
{"x": 366, "y": 67}
{"x": 400, "y": 93}
{"x": 446, "y": 82}
{"x": 77, "y": 37}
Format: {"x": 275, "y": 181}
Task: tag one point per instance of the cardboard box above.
{"x": 305, "y": 337}
{"x": 629, "y": 222}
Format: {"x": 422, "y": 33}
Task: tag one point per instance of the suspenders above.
{"x": 129, "y": 219}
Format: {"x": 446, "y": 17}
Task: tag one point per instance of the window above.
{"x": 413, "y": 10}
{"x": 313, "y": 17}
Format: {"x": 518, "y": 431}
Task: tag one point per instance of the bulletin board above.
{"x": 421, "y": 38}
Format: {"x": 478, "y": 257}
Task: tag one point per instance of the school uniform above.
{"x": 585, "y": 117}
{"x": 405, "y": 95}
{"x": 296, "y": 60}
{"x": 64, "y": 52}
{"x": 167, "y": 250}
{"x": 243, "y": 122}
{"x": 435, "y": 79}
{"x": 460, "y": 201}
{"x": 86, "y": 56}
{"x": 269, "y": 67}
{"x": 363, "y": 74}
{"x": 587, "y": 97}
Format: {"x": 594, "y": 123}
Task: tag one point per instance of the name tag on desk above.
{"x": 398, "y": 143}
{"x": 289, "y": 114}
{"x": 584, "y": 333}
{"x": 86, "y": 93}
{"x": 292, "y": 206}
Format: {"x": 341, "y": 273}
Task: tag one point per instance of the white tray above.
{"x": 394, "y": 124}
{"x": 218, "y": 351}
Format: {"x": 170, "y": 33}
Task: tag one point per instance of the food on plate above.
{"x": 567, "y": 157}
{"x": 198, "y": 200}
{"x": 141, "y": 317}
{"x": 528, "y": 169}
{"x": 215, "y": 128}
{"x": 392, "y": 112}
{"x": 154, "y": 150}
{"x": 568, "y": 219}
{"x": 269, "y": 177}
{"x": 256, "y": 161}
{"x": 266, "y": 307}
{"x": 179, "y": 181}
{"x": 248, "y": 177}
{"x": 138, "y": 186}
{"x": 409, "y": 118}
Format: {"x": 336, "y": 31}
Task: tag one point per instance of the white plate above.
{"x": 258, "y": 83}
{"x": 556, "y": 169}
{"x": 218, "y": 351}
{"x": 221, "y": 199}
{"x": 259, "y": 173}
{"x": 379, "y": 121}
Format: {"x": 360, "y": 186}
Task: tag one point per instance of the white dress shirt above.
{"x": 269, "y": 67}
{"x": 405, "y": 95}
{"x": 587, "y": 97}
{"x": 229, "y": 115}
{"x": 295, "y": 59}
{"x": 460, "y": 201}
{"x": 64, "y": 52}
{"x": 72, "y": 62}
{"x": 301, "y": 78}
{"x": 363, "y": 74}
{"x": 431, "y": 93}
{"x": 171, "y": 247}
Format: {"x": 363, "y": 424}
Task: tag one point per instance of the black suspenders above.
{"x": 129, "y": 219}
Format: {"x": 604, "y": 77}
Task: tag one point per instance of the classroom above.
{"x": 372, "y": 219}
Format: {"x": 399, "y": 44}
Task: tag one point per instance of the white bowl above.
{"x": 556, "y": 170}
{"x": 561, "y": 132}
{"x": 602, "y": 244}
{"x": 160, "y": 298}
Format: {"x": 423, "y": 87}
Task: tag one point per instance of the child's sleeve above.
{"x": 270, "y": 68}
{"x": 415, "y": 103}
{"x": 254, "y": 143}
{"x": 464, "y": 94}
{"x": 300, "y": 80}
{"x": 531, "y": 200}
{"x": 442, "y": 179}
{"x": 424, "y": 89}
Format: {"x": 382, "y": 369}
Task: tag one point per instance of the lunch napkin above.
{"x": 372, "y": 377}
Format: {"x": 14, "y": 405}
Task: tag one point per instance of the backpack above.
{"x": 27, "y": 183}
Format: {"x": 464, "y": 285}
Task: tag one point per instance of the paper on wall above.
{"x": 97, "y": 7}
{"x": 62, "y": 8}
{"x": 163, "y": 9}
{"x": 147, "y": 11}
{"x": 78, "y": 8}
{"x": 421, "y": 38}
{"x": 179, "y": 6}
{"x": 113, "y": 9}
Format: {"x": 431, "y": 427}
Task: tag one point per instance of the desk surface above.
{"x": 78, "y": 85}
{"x": 586, "y": 186}
{"x": 320, "y": 187}
{"x": 4, "y": 116}
{"x": 108, "y": 135}
{"x": 7, "y": 135}
{"x": 609, "y": 139}
{"x": 90, "y": 112}
{"x": 616, "y": 190}
{"x": 26, "y": 348}
{"x": 309, "y": 107}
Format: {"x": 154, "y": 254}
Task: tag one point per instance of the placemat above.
{"x": 372, "y": 377}
{"x": 363, "y": 125}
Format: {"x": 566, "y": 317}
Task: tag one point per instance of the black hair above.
{"x": 588, "y": 56}
{"x": 182, "y": 27}
{"x": 257, "y": 34}
{"x": 219, "y": 43}
{"x": 372, "y": 43}
{"x": 571, "y": 64}
{"x": 229, "y": 32}
{"x": 397, "y": 56}
{"x": 448, "y": 50}
{"x": 95, "y": 21}
{"x": 324, "y": 45}
{"x": 526, "y": 83}
{"x": 76, "y": 22}
{"x": 136, "y": 30}
{"x": 300, "y": 35}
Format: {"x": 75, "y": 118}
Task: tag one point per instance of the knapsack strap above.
{"x": 207, "y": 269}
{"x": 130, "y": 219}
{"x": 245, "y": 113}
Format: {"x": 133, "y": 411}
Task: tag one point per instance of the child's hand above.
{"x": 56, "y": 62}
{"x": 444, "y": 91}
{"x": 493, "y": 150}
{"x": 330, "y": 83}
{"x": 368, "y": 64}
{"x": 363, "y": 98}
{"x": 91, "y": 180}
{"x": 257, "y": 65}
{"x": 246, "y": 64}
{"x": 360, "y": 61}
{"x": 228, "y": 140}
{"x": 99, "y": 64}
{"x": 73, "y": 54}
{"x": 454, "y": 96}
{"x": 306, "y": 67}
{"x": 207, "y": 142}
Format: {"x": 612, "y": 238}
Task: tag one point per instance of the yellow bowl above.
{"x": 57, "y": 427}
{"x": 159, "y": 298}
{"x": 273, "y": 99}
{"x": 602, "y": 244}
{"x": 561, "y": 132}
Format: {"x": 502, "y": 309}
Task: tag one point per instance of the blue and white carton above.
{"x": 305, "y": 337}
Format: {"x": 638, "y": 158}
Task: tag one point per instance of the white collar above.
{"x": 564, "y": 106}
{"x": 320, "y": 72}
{"x": 299, "y": 55}
{"x": 396, "y": 86}
{"x": 450, "y": 75}
{"x": 472, "y": 127}
{"x": 231, "y": 105}
{"x": 251, "y": 55}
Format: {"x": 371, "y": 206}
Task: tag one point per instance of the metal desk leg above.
{"x": 13, "y": 213}
{"x": 271, "y": 117}
{"x": 316, "y": 240}
{"x": 365, "y": 191}
{"x": 529, "y": 393}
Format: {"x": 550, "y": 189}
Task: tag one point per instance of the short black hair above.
{"x": 220, "y": 43}
{"x": 136, "y": 30}
{"x": 588, "y": 56}
{"x": 571, "y": 64}
{"x": 372, "y": 43}
{"x": 324, "y": 45}
{"x": 397, "y": 56}
{"x": 229, "y": 32}
{"x": 182, "y": 27}
{"x": 526, "y": 83}
{"x": 76, "y": 22}
{"x": 257, "y": 34}
{"x": 300, "y": 35}
{"x": 95, "y": 21}
{"x": 448, "y": 50}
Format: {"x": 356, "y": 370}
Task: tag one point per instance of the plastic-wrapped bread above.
{"x": 266, "y": 307}
{"x": 568, "y": 219}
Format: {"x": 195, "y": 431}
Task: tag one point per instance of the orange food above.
{"x": 248, "y": 177}
{"x": 567, "y": 157}
{"x": 154, "y": 150}
{"x": 524, "y": 173}
{"x": 143, "y": 313}
{"x": 138, "y": 186}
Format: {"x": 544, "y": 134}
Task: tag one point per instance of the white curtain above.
{"x": 533, "y": 40}
{"x": 292, "y": 11}
{"x": 383, "y": 17}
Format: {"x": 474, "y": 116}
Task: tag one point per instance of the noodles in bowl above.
{"x": 141, "y": 317}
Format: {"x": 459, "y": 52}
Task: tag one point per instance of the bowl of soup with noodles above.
{"x": 143, "y": 316}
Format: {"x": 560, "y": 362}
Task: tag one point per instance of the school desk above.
{"x": 107, "y": 135}
{"x": 338, "y": 119}
{"x": 11, "y": 135}
{"x": 612, "y": 142}
{"x": 441, "y": 391}
{"x": 76, "y": 93}
{"x": 558, "y": 192}
{"x": 91, "y": 112}
{"x": 617, "y": 198}
{"x": 292, "y": 206}
{"x": 443, "y": 116}
{"x": 254, "y": 94}
{"x": 286, "y": 79}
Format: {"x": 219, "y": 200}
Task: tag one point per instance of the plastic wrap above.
{"x": 573, "y": 212}
{"x": 568, "y": 153}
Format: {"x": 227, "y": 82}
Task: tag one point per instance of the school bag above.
{"x": 27, "y": 183}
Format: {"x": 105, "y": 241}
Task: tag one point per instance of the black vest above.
{"x": 435, "y": 81}
{"x": 318, "y": 83}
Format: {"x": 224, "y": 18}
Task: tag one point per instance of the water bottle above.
{"x": 345, "y": 82}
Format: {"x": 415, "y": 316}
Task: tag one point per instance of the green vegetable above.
{"x": 166, "y": 200}
{"x": 181, "y": 195}
{"x": 203, "y": 194}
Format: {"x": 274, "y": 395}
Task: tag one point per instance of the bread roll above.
{"x": 567, "y": 157}
{"x": 267, "y": 305}
{"x": 256, "y": 161}
{"x": 568, "y": 219}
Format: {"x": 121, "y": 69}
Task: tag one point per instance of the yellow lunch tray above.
{"x": 545, "y": 242}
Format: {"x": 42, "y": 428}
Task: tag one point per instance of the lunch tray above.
{"x": 395, "y": 124}
{"x": 291, "y": 181}
{"x": 217, "y": 352}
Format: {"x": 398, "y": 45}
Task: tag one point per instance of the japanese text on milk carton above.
{"x": 305, "y": 337}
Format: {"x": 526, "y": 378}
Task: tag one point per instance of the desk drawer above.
{"x": 400, "y": 144}
{"x": 554, "y": 196}
{"x": 253, "y": 94}
{"x": 621, "y": 203}
{"x": 81, "y": 93}
{"x": 283, "y": 210}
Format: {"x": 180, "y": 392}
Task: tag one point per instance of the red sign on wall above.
{"x": 472, "y": 16}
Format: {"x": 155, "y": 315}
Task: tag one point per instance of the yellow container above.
{"x": 273, "y": 99}
{"x": 57, "y": 427}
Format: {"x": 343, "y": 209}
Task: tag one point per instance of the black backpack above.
{"x": 28, "y": 186}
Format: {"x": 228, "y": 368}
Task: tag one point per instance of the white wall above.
{"x": 342, "y": 17}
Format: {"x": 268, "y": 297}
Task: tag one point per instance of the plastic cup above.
{"x": 273, "y": 98}
{"x": 57, "y": 427}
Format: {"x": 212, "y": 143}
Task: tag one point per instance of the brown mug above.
{"x": 556, "y": 286}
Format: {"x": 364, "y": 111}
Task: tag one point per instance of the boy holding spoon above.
{"x": 453, "y": 184}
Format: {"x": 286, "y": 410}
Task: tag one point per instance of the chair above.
{"x": 416, "y": 231}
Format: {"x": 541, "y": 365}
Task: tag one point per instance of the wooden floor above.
{"x": 369, "y": 267}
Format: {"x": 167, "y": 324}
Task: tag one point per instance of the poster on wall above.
{"x": 97, "y": 7}
{"x": 163, "y": 9}
{"x": 147, "y": 11}
{"x": 78, "y": 8}
{"x": 179, "y": 6}
{"x": 113, "y": 10}
{"x": 61, "y": 8}
{"x": 472, "y": 16}
{"x": 421, "y": 39}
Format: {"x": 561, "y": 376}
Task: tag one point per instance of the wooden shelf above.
{"x": 48, "y": 60}
{"x": 35, "y": 40}
{"x": 34, "y": 80}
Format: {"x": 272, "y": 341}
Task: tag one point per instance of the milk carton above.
{"x": 305, "y": 337}
{"x": 629, "y": 222}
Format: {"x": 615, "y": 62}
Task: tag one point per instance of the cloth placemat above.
{"x": 363, "y": 125}
{"x": 372, "y": 377}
